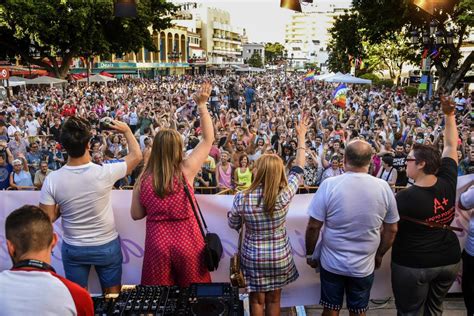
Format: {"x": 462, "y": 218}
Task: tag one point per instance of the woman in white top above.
{"x": 388, "y": 172}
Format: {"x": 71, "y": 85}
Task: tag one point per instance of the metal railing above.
{"x": 208, "y": 190}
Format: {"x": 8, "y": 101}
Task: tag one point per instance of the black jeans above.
{"x": 468, "y": 282}
{"x": 421, "y": 291}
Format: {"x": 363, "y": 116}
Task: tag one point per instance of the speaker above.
{"x": 125, "y": 8}
{"x": 291, "y": 4}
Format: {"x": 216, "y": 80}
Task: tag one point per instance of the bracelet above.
{"x": 297, "y": 148}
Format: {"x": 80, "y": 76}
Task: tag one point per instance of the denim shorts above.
{"x": 107, "y": 260}
{"x": 357, "y": 291}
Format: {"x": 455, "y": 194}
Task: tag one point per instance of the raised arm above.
{"x": 450, "y": 129}
{"x": 301, "y": 129}
{"x": 135, "y": 154}
{"x": 193, "y": 163}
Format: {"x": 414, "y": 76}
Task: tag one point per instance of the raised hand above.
{"x": 203, "y": 94}
{"x": 302, "y": 126}
{"x": 447, "y": 105}
{"x": 120, "y": 127}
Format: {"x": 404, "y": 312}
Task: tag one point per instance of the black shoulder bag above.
{"x": 213, "y": 249}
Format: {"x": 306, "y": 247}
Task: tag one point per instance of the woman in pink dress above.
{"x": 174, "y": 246}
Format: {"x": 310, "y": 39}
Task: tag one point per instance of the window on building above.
{"x": 147, "y": 54}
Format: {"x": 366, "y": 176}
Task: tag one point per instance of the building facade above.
{"x": 307, "y": 33}
{"x": 249, "y": 49}
{"x": 171, "y": 58}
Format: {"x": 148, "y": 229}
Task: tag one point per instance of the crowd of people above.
{"x": 251, "y": 116}
{"x": 265, "y": 137}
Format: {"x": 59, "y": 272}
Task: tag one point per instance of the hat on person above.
{"x": 16, "y": 162}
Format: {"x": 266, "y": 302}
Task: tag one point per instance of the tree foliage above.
{"x": 391, "y": 54}
{"x": 345, "y": 43}
{"x": 383, "y": 19}
{"x": 273, "y": 52}
{"x": 50, "y": 33}
{"x": 255, "y": 60}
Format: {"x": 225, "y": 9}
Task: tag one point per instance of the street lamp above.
{"x": 433, "y": 39}
{"x": 174, "y": 57}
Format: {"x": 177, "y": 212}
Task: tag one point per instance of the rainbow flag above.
{"x": 339, "y": 96}
{"x": 309, "y": 75}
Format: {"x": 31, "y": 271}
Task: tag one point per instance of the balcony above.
{"x": 226, "y": 39}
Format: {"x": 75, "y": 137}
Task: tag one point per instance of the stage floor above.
{"x": 453, "y": 306}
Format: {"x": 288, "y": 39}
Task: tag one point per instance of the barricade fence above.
{"x": 210, "y": 190}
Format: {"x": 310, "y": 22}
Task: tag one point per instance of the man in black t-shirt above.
{"x": 426, "y": 257}
{"x": 399, "y": 163}
{"x": 55, "y": 130}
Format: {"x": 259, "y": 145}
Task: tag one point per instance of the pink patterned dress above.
{"x": 174, "y": 246}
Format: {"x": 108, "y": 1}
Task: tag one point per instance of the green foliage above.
{"x": 346, "y": 40}
{"x": 411, "y": 91}
{"x": 390, "y": 54}
{"x": 384, "y": 82}
{"x": 273, "y": 52}
{"x": 255, "y": 60}
{"x": 370, "y": 76}
{"x": 43, "y": 31}
{"x": 311, "y": 66}
{"x": 385, "y": 19}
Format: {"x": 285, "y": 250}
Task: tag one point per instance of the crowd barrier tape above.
{"x": 305, "y": 291}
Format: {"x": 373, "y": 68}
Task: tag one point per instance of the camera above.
{"x": 106, "y": 123}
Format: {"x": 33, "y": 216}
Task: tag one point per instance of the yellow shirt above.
{"x": 244, "y": 177}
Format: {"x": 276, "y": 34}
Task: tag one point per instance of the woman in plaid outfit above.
{"x": 266, "y": 258}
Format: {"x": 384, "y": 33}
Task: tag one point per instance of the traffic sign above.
{"x": 4, "y": 73}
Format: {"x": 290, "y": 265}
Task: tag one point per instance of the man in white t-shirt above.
{"x": 13, "y": 128}
{"x": 352, "y": 207}
{"x": 32, "y": 126}
{"x": 31, "y": 286}
{"x": 79, "y": 192}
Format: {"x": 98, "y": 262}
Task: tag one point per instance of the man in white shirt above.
{"x": 32, "y": 287}
{"x": 352, "y": 207}
{"x": 32, "y": 126}
{"x": 133, "y": 119}
{"x": 13, "y": 128}
{"x": 79, "y": 192}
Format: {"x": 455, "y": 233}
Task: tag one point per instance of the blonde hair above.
{"x": 165, "y": 161}
{"x": 271, "y": 175}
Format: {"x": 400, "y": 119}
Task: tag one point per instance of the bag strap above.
{"x": 431, "y": 224}
{"x": 186, "y": 189}
{"x": 241, "y": 233}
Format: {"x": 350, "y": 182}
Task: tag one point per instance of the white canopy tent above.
{"x": 347, "y": 78}
{"x": 250, "y": 69}
{"x": 15, "y": 81}
{"x": 97, "y": 78}
{"x": 16, "y": 78}
{"x": 324, "y": 76}
{"x": 46, "y": 80}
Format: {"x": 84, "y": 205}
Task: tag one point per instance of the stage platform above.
{"x": 453, "y": 306}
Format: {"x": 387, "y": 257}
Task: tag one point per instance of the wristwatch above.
{"x": 309, "y": 256}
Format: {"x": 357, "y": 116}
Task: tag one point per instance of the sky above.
{"x": 263, "y": 20}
